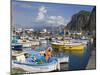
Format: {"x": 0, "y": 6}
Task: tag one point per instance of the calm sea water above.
{"x": 76, "y": 62}
{"x": 80, "y": 62}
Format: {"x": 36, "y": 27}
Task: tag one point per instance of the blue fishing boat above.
{"x": 34, "y": 61}
{"x": 17, "y": 47}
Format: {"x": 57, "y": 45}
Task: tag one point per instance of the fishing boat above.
{"x": 28, "y": 62}
{"x": 83, "y": 41}
{"x": 69, "y": 46}
{"x": 28, "y": 41}
{"x": 16, "y": 46}
{"x": 15, "y": 38}
{"x": 43, "y": 40}
{"x": 24, "y": 42}
{"x": 35, "y": 42}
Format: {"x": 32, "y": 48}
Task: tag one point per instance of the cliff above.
{"x": 83, "y": 21}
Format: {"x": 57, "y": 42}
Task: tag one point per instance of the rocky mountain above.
{"x": 83, "y": 21}
{"x": 91, "y": 24}
{"x": 79, "y": 20}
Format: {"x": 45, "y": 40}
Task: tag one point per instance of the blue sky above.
{"x": 34, "y": 13}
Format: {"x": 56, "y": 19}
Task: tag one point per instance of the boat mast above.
{"x": 64, "y": 32}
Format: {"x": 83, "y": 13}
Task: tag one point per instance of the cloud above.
{"x": 51, "y": 20}
{"x": 56, "y": 20}
{"x": 43, "y": 9}
{"x": 60, "y": 20}
{"x": 41, "y": 14}
{"x": 43, "y": 17}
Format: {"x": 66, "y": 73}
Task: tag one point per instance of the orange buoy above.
{"x": 46, "y": 56}
{"x": 49, "y": 51}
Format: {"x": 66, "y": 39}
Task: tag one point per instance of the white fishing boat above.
{"x": 25, "y": 43}
{"x": 35, "y": 42}
{"x": 30, "y": 43}
{"x": 29, "y": 65}
{"x": 43, "y": 40}
{"x": 83, "y": 41}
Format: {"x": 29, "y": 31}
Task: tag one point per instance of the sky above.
{"x": 34, "y": 13}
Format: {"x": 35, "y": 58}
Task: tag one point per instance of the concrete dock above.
{"x": 92, "y": 61}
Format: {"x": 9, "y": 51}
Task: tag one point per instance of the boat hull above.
{"x": 35, "y": 43}
{"x": 43, "y": 68}
{"x": 43, "y": 42}
{"x": 27, "y": 44}
{"x": 69, "y": 48}
{"x": 17, "y": 47}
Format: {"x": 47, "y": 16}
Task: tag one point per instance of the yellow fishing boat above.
{"x": 69, "y": 47}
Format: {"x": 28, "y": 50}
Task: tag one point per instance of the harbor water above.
{"x": 79, "y": 62}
